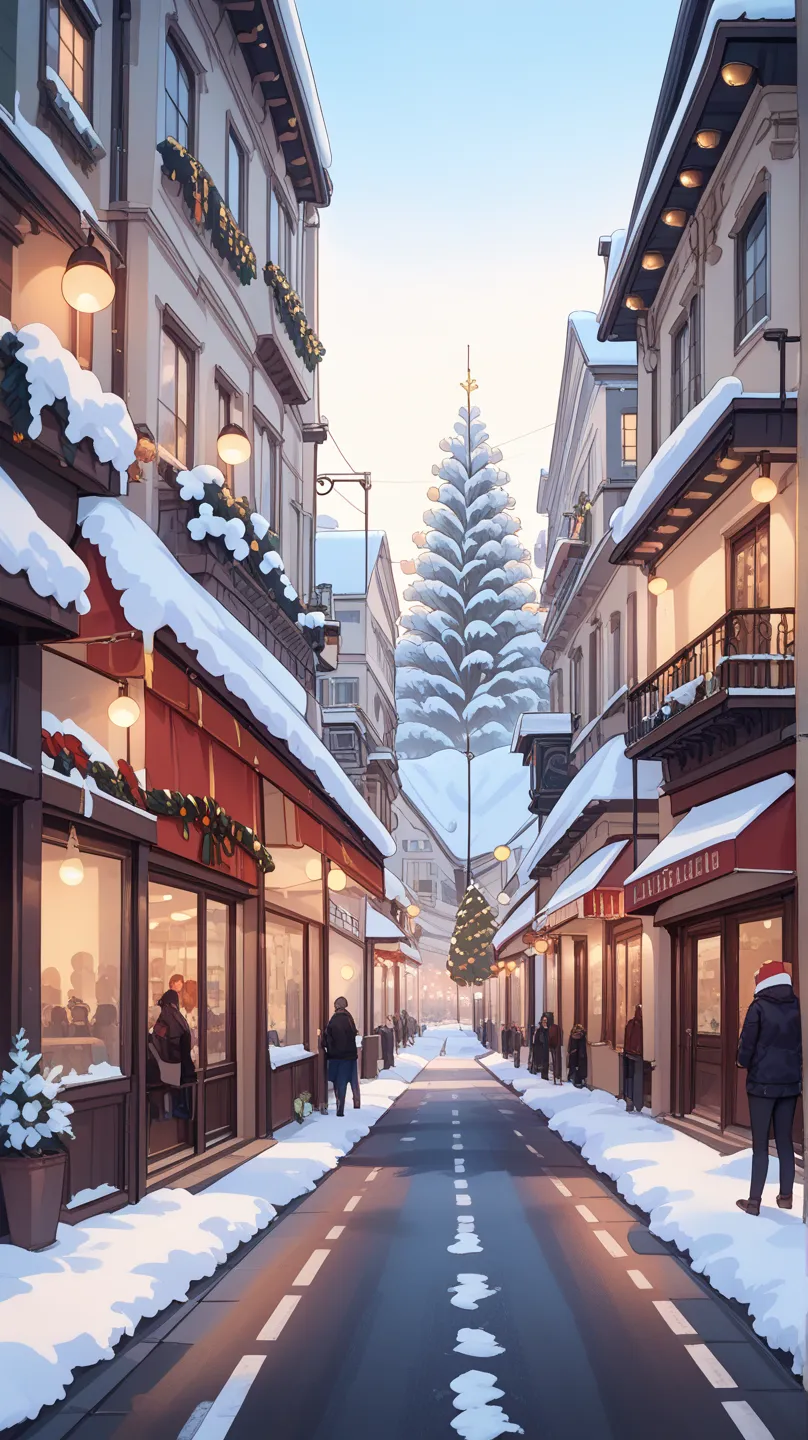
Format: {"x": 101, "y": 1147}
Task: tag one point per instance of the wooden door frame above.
{"x": 747, "y": 528}
{"x": 580, "y": 961}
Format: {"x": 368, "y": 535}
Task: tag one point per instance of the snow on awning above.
{"x": 592, "y": 890}
{"x": 517, "y": 921}
{"x": 28, "y": 544}
{"x": 379, "y": 926}
{"x": 395, "y": 889}
{"x": 752, "y": 829}
{"x": 156, "y": 592}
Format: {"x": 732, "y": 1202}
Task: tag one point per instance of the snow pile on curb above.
{"x": 69, "y": 1306}
{"x": 689, "y": 1192}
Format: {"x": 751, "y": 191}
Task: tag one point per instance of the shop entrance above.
{"x": 704, "y": 1030}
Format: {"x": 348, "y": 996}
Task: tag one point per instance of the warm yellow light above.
{"x": 87, "y": 285}
{"x": 166, "y": 897}
{"x": 71, "y": 870}
{"x": 502, "y": 852}
{"x": 233, "y": 445}
{"x": 419, "y": 538}
{"x": 657, "y": 585}
{"x": 653, "y": 260}
{"x": 511, "y": 965}
{"x": 347, "y": 972}
{"x": 504, "y": 898}
{"x": 407, "y": 567}
{"x": 541, "y": 947}
{"x": 153, "y": 924}
{"x": 314, "y": 868}
{"x": 708, "y": 139}
{"x": 676, "y": 219}
{"x": 433, "y": 493}
{"x": 737, "y": 73}
{"x": 729, "y": 462}
{"x": 180, "y": 916}
{"x": 764, "y": 489}
{"x": 337, "y": 879}
{"x": 635, "y": 302}
{"x": 124, "y": 711}
{"x": 413, "y": 910}
{"x": 691, "y": 179}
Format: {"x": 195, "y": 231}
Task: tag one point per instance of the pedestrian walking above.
{"x": 540, "y": 1050}
{"x": 517, "y": 1041}
{"x": 555, "y": 1040}
{"x": 397, "y": 1028}
{"x": 340, "y": 1048}
{"x": 633, "y": 1065}
{"x": 577, "y": 1063}
{"x": 770, "y": 1051}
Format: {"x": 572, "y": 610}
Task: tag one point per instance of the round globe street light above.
{"x": 233, "y": 445}
{"x": 502, "y": 852}
{"x": 87, "y": 285}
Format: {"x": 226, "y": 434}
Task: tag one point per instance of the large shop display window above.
{"x": 594, "y": 994}
{"x": 71, "y": 688}
{"x": 628, "y": 981}
{"x": 81, "y": 962}
{"x": 296, "y": 883}
{"x": 346, "y": 920}
{"x": 759, "y": 941}
{"x": 285, "y": 981}
{"x": 174, "y": 954}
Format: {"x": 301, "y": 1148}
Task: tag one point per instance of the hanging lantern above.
{"x": 87, "y": 285}
{"x": 124, "y": 710}
{"x": 71, "y": 870}
{"x": 233, "y": 445}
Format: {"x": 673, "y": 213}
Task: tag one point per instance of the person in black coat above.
{"x": 339, "y": 1041}
{"x": 516, "y": 1045}
{"x": 540, "y": 1051}
{"x": 171, "y": 1040}
{"x": 576, "y": 1057}
{"x": 770, "y": 1051}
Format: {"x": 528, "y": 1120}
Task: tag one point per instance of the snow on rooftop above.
{"x": 28, "y": 544}
{"x": 600, "y": 352}
{"x": 586, "y": 876}
{"x": 540, "y": 722}
{"x": 437, "y": 786}
{"x": 298, "y": 50}
{"x": 607, "y": 776}
{"x": 714, "y": 822}
{"x": 517, "y": 921}
{"x": 93, "y": 414}
{"x": 673, "y": 453}
{"x": 379, "y": 926}
{"x": 43, "y": 150}
{"x": 395, "y": 889}
{"x": 340, "y": 559}
{"x": 157, "y": 592}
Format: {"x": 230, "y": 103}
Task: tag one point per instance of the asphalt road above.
{"x": 339, "y": 1324}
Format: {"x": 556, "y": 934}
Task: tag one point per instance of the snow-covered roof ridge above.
{"x": 606, "y": 776}
{"x": 156, "y": 593}
{"x": 340, "y": 559}
{"x": 41, "y": 147}
{"x": 28, "y": 544}
{"x": 295, "y": 39}
{"x": 93, "y": 414}
{"x": 672, "y": 454}
{"x": 600, "y": 352}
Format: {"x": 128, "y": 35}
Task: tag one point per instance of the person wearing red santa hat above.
{"x": 770, "y": 1051}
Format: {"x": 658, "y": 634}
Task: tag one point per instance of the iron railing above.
{"x": 744, "y": 650}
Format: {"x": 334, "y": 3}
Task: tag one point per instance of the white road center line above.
{"x": 639, "y": 1280}
{"x": 371, "y": 1176}
{"x": 461, "y": 1184}
{"x": 311, "y": 1267}
{"x": 353, "y": 1202}
{"x": 462, "y": 1199}
{"x": 282, "y": 1312}
{"x": 503, "y": 1112}
{"x": 519, "y": 1133}
{"x": 609, "y": 1243}
{"x": 230, "y": 1399}
{"x": 674, "y": 1318}
{"x": 744, "y": 1418}
{"x": 408, "y": 1139}
{"x": 534, "y": 1152}
{"x": 457, "y": 1147}
{"x": 561, "y": 1187}
{"x": 712, "y": 1369}
{"x": 335, "y": 1232}
{"x": 587, "y": 1215}
{"x": 455, "y": 1112}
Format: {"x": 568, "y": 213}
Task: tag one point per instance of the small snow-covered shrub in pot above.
{"x": 33, "y": 1128}
{"x": 303, "y": 1107}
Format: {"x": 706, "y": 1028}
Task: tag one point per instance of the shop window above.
{"x": 285, "y": 981}
{"x": 217, "y": 986}
{"x": 345, "y": 974}
{"x": 81, "y": 965}
{"x": 179, "y": 92}
{"x": 72, "y": 690}
{"x": 759, "y": 941}
{"x": 296, "y": 883}
{"x": 174, "y": 953}
{"x": 594, "y": 996}
{"x": 628, "y": 982}
{"x": 628, "y": 437}
{"x": 708, "y": 985}
{"x": 174, "y": 402}
{"x": 551, "y": 981}
{"x": 346, "y": 905}
{"x": 69, "y": 50}
{"x": 751, "y": 272}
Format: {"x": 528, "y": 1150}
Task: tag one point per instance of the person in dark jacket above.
{"x": 339, "y": 1041}
{"x": 576, "y": 1056}
{"x": 171, "y": 1038}
{"x": 633, "y": 1065}
{"x": 540, "y": 1056}
{"x": 770, "y": 1051}
{"x": 517, "y": 1041}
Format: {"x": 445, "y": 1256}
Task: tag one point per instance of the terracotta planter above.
{"x": 32, "y": 1190}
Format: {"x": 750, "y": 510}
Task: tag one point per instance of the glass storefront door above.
{"x": 707, "y": 1049}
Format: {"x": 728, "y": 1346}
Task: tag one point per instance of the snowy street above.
{"x": 462, "y": 1271}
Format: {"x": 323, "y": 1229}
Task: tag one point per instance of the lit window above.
{"x": 178, "y": 97}
{"x": 628, "y": 437}
{"x": 174, "y": 404}
{"x": 69, "y": 48}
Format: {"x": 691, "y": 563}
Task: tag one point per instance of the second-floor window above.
{"x": 751, "y": 279}
{"x": 617, "y": 659}
{"x": 594, "y": 672}
{"x": 282, "y": 249}
{"x": 345, "y": 691}
{"x": 422, "y": 877}
{"x": 69, "y": 48}
{"x": 267, "y": 472}
{"x": 576, "y": 685}
{"x": 418, "y": 845}
{"x": 178, "y": 97}
{"x": 686, "y": 364}
{"x": 235, "y": 170}
{"x": 174, "y": 404}
{"x": 628, "y": 437}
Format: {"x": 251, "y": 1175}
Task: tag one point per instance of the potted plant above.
{"x": 33, "y": 1126}
{"x": 303, "y": 1107}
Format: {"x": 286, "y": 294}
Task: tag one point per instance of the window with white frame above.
{"x": 345, "y": 690}
{"x": 174, "y": 401}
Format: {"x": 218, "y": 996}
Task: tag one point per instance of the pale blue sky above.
{"x": 480, "y": 149}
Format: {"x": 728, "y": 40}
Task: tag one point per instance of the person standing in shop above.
{"x": 633, "y": 1064}
{"x": 770, "y": 1051}
{"x": 339, "y": 1042}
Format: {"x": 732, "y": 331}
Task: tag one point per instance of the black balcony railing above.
{"x": 744, "y": 650}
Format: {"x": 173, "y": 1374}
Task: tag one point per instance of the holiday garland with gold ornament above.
{"x": 290, "y": 310}
{"x": 207, "y": 208}
{"x": 470, "y": 950}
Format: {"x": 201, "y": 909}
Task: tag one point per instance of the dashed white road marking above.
{"x": 610, "y": 1244}
{"x": 460, "y": 1166}
{"x": 335, "y": 1232}
{"x": 462, "y": 1199}
{"x": 457, "y": 1147}
{"x": 503, "y": 1112}
{"x": 315, "y": 1261}
{"x": 282, "y": 1312}
{"x": 639, "y": 1280}
{"x": 461, "y": 1184}
{"x": 585, "y": 1212}
{"x": 674, "y": 1318}
{"x": 455, "y": 1112}
{"x": 353, "y": 1202}
{"x": 537, "y": 1153}
{"x": 561, "y": 1187}
{"x": 371, "y": 1176}
{"x": 408, "y": 1140}
{"x": 230, "y": 1399}
{"x": 519, "y": 1133}
{"x": 711, "y": 1369}
{"x": 744, "y": 1418}
{"x": 413, "y": 1122}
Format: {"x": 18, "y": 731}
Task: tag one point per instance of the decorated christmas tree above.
{"x": 470, "y": 952}
{"x": 32, "y": 1120}
{"x": 468, "y": 664}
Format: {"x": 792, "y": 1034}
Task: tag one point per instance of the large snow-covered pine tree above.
{"x": 468, "y": 663}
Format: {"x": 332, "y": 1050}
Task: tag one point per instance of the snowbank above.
{"x": 27, "y": 543}
{"x": 500, "y": 789}
{"x": 459, "y": 1042}
{"x": 689, "y": 1192}
{"x": 70, "y": 1305}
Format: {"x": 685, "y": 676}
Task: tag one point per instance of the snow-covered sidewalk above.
{"x": 68, "y": 1306}
{"x": 689, "y": 1192}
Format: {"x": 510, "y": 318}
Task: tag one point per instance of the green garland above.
{"x": 16, "y": 393}
{"x": 220, "y": 834}
{"x": 208, "y": 210}
{"x": 290, "y": 309}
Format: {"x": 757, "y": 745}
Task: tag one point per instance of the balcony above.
{"x": 732, "y": 684}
